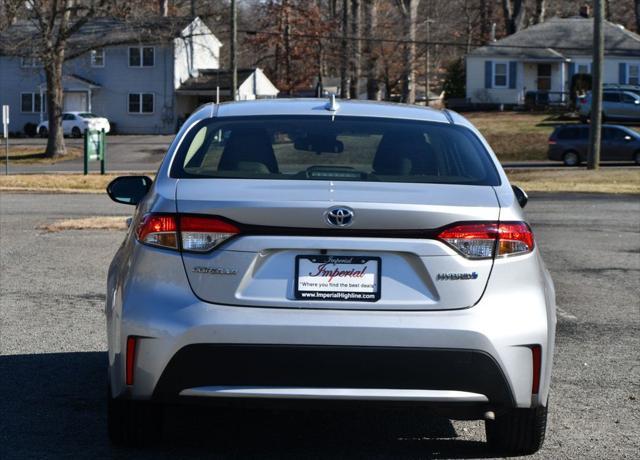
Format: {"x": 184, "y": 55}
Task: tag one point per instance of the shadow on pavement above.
{"x": 53, "y": 405}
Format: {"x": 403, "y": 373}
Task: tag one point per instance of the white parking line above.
{"x": 565, "y": 315}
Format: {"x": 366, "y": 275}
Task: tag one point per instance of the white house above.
{"x": 545, "y": 58}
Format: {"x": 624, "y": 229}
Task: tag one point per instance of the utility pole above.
{"x": 427, "y": 62}
{"x": 595, "y": 133}
{"x": 233, "y": 50}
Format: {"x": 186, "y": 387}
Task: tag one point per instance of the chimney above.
{"x": 585, "y": 11}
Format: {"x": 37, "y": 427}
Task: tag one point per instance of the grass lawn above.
{"x": 516, "y": 136}
{"x": 34, "y": 154}
{"x": 605, "y": 180}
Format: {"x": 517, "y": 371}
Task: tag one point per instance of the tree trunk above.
{"x": 356, "y": 49}
{"x": 410, "y": 13}
{"x": 637, "y": 8}
{"x": 287, "y": 49}
{"x": 541, "y": 10}
{"x": 53, "y": 72}
{"x": 371, "y": 70}
{"x": 344, "y": 50}
{"x": 514, "y": 14}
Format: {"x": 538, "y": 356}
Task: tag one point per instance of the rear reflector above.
{"x": 536, "y": 354}
{"x": 488, "y": 239}
{"x": 131, "y": 356}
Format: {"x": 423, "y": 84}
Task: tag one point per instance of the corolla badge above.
{"x": 456, "y": 276}
{"x": 339, "y": 216}
{"x": 215, "y": 270}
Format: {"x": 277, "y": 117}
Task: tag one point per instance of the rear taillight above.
{"x": 190, "y": 233}
{"x": 158, "y": 230}
{"x": 552, "y": 142}
{"x": 202, "y": 234}
{"x": 489, "y": 239}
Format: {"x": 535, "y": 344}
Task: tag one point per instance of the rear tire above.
{"x": 43, "y": 132}
{"x": 76, "y": 132}
{"x": 518, "y": 432}
{"x": 133, "y": 423}
{"x": 636, "y": 157}
{"x": 571, "y": 158}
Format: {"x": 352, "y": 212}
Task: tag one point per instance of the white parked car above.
{"x": 74, "y": 124}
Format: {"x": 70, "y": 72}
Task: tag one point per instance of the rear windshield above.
{"x": 326, "y": 148}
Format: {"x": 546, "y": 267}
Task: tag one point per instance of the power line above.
{"x": 588, "y": 49}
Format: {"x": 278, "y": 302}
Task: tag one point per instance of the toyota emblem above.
{"x": 339, "y": 216}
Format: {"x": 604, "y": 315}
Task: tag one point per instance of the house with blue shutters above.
{"x": 547, "y": 59}
{"x": 144, "y": 83}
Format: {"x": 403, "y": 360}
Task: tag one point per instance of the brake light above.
{"x": 195, "y": 233}
{"x": 202, "y": 234}
{"x": 158, "y": 230}
{"x": 489, "y": 239}
{"x": 552, "y": 142}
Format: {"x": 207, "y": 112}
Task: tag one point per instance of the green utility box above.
{"x": 95, "y": 147}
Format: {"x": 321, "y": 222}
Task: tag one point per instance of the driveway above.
{"x": 53, "y": 360}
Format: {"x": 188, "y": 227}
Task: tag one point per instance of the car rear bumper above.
{"x": 189, "y": 349}
{"x": 329, "y": 372}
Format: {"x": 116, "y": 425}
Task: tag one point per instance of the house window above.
{"x": 30, "y": 61}
{"x": 633, "y": 75}
{"x": 141, "y": 56}
{"x": 584, "y": 68}
{"x": 97, "y": 58}
{"x": 500, "y": 74}
{"x": 30, "y": 103}
{"x": 141, "y": 103}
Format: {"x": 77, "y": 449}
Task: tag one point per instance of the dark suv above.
{"x": 570, "y": 144}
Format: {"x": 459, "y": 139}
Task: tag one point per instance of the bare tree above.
{"x": 637, "y": 10}
{"x": 371, "y": 66}
{"x": 540, "y": 11}
{"x": 514, "y": 15}
{"x": 52, "y": 34}
{"x": 344, "y": 48}
{"x": 356, "y": 49}
{"x": 409, "y": 12}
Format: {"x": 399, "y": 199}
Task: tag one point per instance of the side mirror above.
{"x": 129, "y": 189}
{"x": 521, "y": 195}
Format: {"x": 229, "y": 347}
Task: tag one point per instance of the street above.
{"x": 53, "y": 359}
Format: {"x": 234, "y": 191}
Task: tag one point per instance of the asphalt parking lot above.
{"x": 53, "y": 360}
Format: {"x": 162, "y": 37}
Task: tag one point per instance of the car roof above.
{"x": 319, "y": 107}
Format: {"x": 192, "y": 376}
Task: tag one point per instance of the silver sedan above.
{"x": 330, "y": 250}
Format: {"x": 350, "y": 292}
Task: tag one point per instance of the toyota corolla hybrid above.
{"x": 341, "y": 250}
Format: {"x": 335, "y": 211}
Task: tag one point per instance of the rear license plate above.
{"x": 346, "y": 278}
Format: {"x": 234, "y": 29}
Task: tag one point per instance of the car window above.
{"x": 613, "y": 134}
{"x": 611, "y": 96}
{"x": 328, "y": 148}
{"x": 628, "y": 98}
{"x": 87, "y": 115}
{"x": 572, "y": 133}
{"x": 68, "y": 116}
